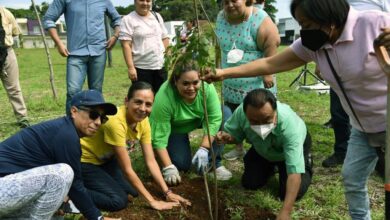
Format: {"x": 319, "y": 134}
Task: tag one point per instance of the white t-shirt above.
{"x": 146, "y": 34}
{"x": 381, "y": 5}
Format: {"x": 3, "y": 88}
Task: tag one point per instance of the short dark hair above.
{"x": 323, "y": 12}
{"x": 183, "y": 65}
{"x": 139, "y": 85}
{"x": 258, "y": 98}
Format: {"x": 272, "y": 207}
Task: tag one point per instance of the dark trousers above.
{"x": 154, "y": 77}
{"x": 257, "y": 171}
{"x": 107, "y": 186}
{"x": 179, "y": 151}
{"x": 340, "y": 123}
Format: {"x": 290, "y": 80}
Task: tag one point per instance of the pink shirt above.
{"x": 354, "y": 60}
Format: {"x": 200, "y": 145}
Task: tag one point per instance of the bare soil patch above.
{"x": 194, "y": 190}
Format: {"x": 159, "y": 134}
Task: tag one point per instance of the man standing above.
{"x": 279, "y": 139}
{"x": 9, "y": 70}
{"x": 86, "y": 40}
{"x": 41, "y": 163}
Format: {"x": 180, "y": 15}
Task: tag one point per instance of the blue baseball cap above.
{"x": 93, "y": 98}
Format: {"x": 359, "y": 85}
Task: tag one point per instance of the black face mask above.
{"x": 314, "y": 39}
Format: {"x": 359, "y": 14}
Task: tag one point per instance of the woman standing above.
{"x": 245, "y": 33}
{"x": 144, "y": 39}
{"x": 340, "y": 41}
{"x": 178, "y": 110}
{"x": 106, "y": 161}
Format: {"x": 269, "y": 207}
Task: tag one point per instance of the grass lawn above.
{"x": 325, "y": 198}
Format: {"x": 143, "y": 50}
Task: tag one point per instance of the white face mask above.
{"x": 234, "y": 55}
{"x": 263, "y": 130}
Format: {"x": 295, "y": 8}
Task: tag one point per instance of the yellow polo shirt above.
{"x": 114, "y": 133}
{"x": 10, "y": 26}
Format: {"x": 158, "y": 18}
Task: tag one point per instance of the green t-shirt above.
{"x": 170, "y": 114}
{"x": 285, "y": 143}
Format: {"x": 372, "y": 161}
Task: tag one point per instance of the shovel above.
{"x": 384, "y": 61}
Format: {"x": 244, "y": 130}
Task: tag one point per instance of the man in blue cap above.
{"x": 40, "y": 165}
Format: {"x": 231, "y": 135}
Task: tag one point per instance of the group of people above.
{"x": 86, "y": 155}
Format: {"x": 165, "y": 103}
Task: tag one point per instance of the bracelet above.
{"x": 166, "y": 193}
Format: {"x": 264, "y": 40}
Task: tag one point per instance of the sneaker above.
{"x": 234, "y": 154}
{"x": 333, "y": 161}
{"x": 23, "y": 123}
{"x": 69, "y": 207}
{"x": 222, "y": 173}
{"x": 328, "y": 124}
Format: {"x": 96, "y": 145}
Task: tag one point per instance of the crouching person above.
{"x": 279, "y": 139}
{"x": 178, "y": 110}
{"x": 106, "y": 164}
{"x": 41, "y": 163}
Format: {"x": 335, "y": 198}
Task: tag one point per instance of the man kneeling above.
{"x": 279, "y": 139}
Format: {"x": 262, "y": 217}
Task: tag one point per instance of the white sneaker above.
{"x": 234, "y": 154}
{"x": 222, "y": 173}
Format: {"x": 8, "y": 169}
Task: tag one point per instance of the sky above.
{"x": 281, "y": 5}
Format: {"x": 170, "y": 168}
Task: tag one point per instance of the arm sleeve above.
{"x": 113, "y": 14}
{"x": 55, "y": 10}
{"x": 301, "y": 51}
{"x": 15, "y": 27}
{"x": 164, "y": 31}
{"x": 115, "y": 133}
{"x": 294, "y": 135}
{"x": 126, "y": 30}
{"x": 213, "y": 110}
{"x": 70, "y": 153}
{"x": 160, "y": 121}
{"x": 234, "y": 126}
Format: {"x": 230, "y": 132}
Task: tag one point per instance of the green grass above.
{"x": 325, "y": 198}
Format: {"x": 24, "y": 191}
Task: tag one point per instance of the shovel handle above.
{"x": 383, "y": 57}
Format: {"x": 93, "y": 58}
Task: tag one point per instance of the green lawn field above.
{"x": 325, "y": 198}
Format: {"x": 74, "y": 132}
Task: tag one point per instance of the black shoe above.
{"x": 328, "y": 124}
{"x": 333, "y": 161}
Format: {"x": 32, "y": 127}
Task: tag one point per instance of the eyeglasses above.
{"x": 94, "y": 114}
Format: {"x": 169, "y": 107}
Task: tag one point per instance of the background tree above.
{"x": 270, "y": 8}
{"x": 125, "y": 10}
{"x": 184, "y": 9}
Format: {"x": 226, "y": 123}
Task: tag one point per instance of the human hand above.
{"x": 171, "y": 175}
{"x": 172, "y": 197}
{"x": 268, "y": 81}
{"x": 384, "y": 38}
{"x": 212, "y": 75}
{"x": 132, "y": 72}
{"x": 111, "y": 42}
{"x": 63, "y": 50}
{"x": 161, "y": 205}
{"x": 201, "y": 159}
{"x": 108, "y": 218}
{"x": 223, "y": 138}
{"x": 382, "y": 47}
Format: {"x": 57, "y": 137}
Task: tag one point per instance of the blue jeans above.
{"x": 179, "y": 151}
{"x": 77, "y": 68}
{"x": 107, "y": 186}
{"x": 358, "y": 165}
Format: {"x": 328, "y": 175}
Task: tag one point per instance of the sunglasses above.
{"x": 94, "y": 114}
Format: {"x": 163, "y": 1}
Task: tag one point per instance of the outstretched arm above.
{"x": 125, "y": 164}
